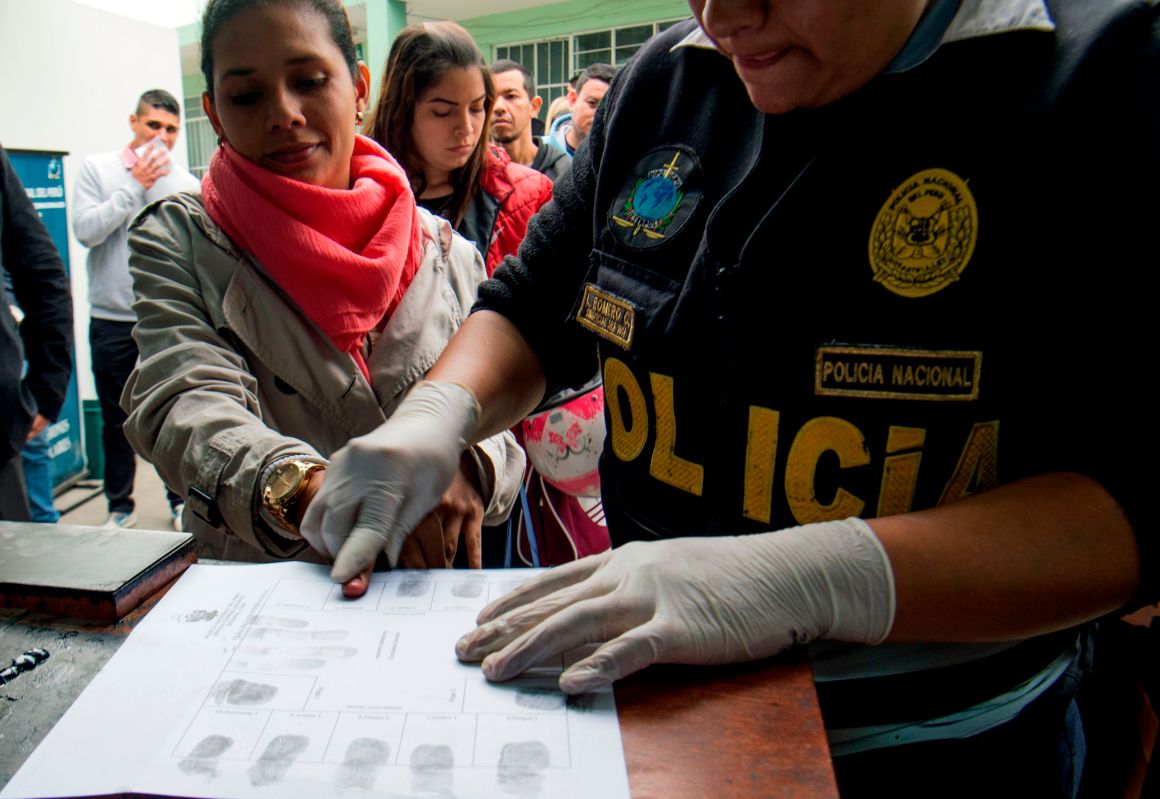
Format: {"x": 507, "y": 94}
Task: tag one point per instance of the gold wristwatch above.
{"x": 284, "y": 487}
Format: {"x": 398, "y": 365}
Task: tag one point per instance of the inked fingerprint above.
{"x": 361, "y": 764}
{"x": 468, "y": 588}
{"x": 521, "y": 766}
{"x": 582, "y": 703}
{"x": 302, "y": 651}
{"x": 411, "y": 588}
{"x": 203, "y": 759}
{"x": 277, "y": 621}
{"x": 277, "y": 758}
{"x": 243, "y": 692}
{"x": 540, "y": 698}
{"x": 432, "y": 768}
{"x": 297, "y": 635}
{"x": 292, "y": 664}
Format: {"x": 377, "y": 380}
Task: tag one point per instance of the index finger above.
{"x": 595, "y": 620}
{"x": 500, "y": 632}
{"x": 357, "y": 553}
{"x": 357, "y": 586}
{"x": 547, "y": 583}
{"x": 425, "y": 544}
{"x": 473, "y": 533}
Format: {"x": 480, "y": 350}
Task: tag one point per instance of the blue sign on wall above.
{"x": 42, "y": 174}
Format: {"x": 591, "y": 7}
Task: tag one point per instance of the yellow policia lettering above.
{"x": 978, "y": 467}
{"x": 860, "y": 373}
{"x": 628, "y": 415}
{"x": 900, "y": 472}
{"x": 760, "y": 459}
{"x": 933, "y": 376}
{"x": 900, "y": 438}
{"x": 627, "y": 441}
{"x": 817, "y": 436}
{"x": 665, "y": 465}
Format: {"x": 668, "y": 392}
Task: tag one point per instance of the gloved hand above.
{"x": 691, "y": 600}
{"x": 379, "y": 486}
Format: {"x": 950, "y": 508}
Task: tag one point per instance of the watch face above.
{"x": 284, "y": 480}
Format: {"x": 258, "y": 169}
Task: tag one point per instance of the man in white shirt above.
{"x": 111, "y": 189}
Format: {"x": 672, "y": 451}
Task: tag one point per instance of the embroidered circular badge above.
{"x": 658, "y": 197}
{"x": 925, "y": 234}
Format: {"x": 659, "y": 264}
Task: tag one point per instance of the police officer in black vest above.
{"x": 865, "y": 284}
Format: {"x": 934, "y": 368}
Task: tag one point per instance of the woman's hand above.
{"x": 380, "y": 486}
{"x": 355, "y": 586}
{"x": 435, "y": 541}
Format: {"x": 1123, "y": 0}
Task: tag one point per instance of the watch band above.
{"x": 275, "y": 511}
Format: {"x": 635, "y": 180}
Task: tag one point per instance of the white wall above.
{"x": 72, "y": 78}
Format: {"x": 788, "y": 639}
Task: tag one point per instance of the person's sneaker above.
{"x": 120, "y": 519}
{"x": 178, "y": 510}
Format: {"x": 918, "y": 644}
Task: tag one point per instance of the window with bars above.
{"x": 554, "y": 61}
{"x": 548, "y": 60}
{"x": 200, "y": 140}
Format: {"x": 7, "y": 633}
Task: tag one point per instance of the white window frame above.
{"x": 200, "y": 139}
{"x": 550, "y": 90}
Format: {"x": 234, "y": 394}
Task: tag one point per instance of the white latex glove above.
{"x": 381, "y": 485}
{"x": 691, "y": 600}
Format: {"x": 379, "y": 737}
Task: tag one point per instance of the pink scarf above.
{"x": 345, "y": 256}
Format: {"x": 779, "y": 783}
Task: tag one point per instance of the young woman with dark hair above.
{"x": 295, "y": 304}
{"x": 433, "y": 114}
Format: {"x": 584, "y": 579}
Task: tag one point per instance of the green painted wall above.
{"x": 565, "y": 19}
{"x": 192, "y": 84}
{"x": 189, "y": 34}
{"x": 385, "y": 18}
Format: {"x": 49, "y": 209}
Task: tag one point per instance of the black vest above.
{"x": 879, "y": 306}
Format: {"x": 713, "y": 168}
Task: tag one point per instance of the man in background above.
{"x": 111, "y": 189}
{"x": 30, "y": 400}
{"x": 559, "y": 110}
{"x": 569, "y": 133}
{"x": 516, "y": 106}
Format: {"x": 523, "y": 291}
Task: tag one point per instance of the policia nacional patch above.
{"x": 897, "y": 373}
{"x": 657, "y": 198}
{"x": 925, "y": 234}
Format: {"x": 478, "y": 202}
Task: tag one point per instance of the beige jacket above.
{"x": 232, "y": 374}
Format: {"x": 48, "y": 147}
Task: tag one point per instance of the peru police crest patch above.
{"x": 925, "y": 234}
{"x": 657, "y": 198}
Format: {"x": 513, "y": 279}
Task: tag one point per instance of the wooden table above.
{"x": 739, "y": 731}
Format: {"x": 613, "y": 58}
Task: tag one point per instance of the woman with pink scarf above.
{"x": 290, "y": 309}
